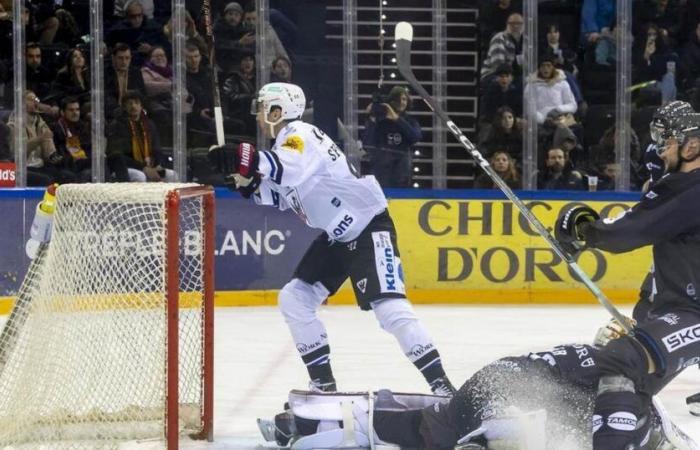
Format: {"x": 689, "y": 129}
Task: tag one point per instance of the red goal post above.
{"x": 111, "y": 335}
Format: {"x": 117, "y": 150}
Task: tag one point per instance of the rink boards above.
{"x": 466, "y": 246}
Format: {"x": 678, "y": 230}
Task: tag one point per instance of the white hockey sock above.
{"x": 398, "y": 318}
{"x": 298, "y": 302}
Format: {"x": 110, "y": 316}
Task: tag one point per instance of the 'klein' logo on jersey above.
{"x": 681, "y": 338}
{"x": 390, "y": 274}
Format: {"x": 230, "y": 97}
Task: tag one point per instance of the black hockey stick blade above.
{"x": 403, "y": 36}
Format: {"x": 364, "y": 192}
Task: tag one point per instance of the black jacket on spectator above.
{"x": 656, "y": 68}
{"x": 229, "y": 50}
{"x": 80, "y": 167}
{"x": 237, "y": 93}
{"x": 690, "y": 61}
{"x": 494, "y": 97}
{"x": 64, "y": 85}
{"x": 111, "y": 88}
{"x": 39, "y": 81}
{"x": 569, "y": 180}
{"x": 199, "y": 85}
{"x": 150, "y": 32}
{"x": 496, "y": 139}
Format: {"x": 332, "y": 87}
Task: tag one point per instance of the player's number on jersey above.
{"x": 334, "y": 152}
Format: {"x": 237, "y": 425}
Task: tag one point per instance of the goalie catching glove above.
{"x": 238, "y": 165}
{"x": 569, "y": 228}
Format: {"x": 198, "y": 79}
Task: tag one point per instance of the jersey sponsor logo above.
{"x": 622, "y": 420}
{"x": 588, "y": 362}
{"x": 362, "y": 285}
{"x": 609, "y": 220}
{"x": 294, "y": 143}
{"x": 690, "y": 290}
{"x": 306, "y": 348}
{"x": 343, "y": 222}
{"x": 335, "y": 202}
{"x": 683, "y": 363}
{"x": 651, "y": 195}
{"x": 670, "y": 318}
{"x": 596, "y": 422}
{"x": 295, "y": 203}
{"x": 352, "y": 246}
{"x": 681, "y": 338}
{"x": 388, "y": 265}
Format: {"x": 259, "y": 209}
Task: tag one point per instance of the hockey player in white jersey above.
{"x": 306, "y": 171}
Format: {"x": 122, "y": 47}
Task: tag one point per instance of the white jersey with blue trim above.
{"x": 307, "y": 172}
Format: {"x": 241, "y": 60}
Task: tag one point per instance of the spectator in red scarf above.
{"x": 71, "y": 136}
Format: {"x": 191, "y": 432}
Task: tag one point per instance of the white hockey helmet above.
{"x": 289, "y": 98}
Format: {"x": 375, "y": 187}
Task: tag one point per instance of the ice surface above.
{"x": 257, "y": 364}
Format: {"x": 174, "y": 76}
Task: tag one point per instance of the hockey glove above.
{"x": 227, "y": 159}
{"x": 569, "y": 227}
{"x": 246, "y": 186}
{"x": 612, "y": 330}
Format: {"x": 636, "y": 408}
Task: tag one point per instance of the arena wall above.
{"x": 461, "y": 247}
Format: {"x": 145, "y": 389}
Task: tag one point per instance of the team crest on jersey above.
{"x": 294, "y": 143}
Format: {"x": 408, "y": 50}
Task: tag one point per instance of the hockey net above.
{"x": 110, "y": 339}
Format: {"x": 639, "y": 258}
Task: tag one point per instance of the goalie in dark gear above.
{"x": 545, "y": 399}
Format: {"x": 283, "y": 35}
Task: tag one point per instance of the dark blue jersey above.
{"x": 668, "y": 219}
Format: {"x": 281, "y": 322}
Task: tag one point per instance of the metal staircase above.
{"x": 444, "y": 59}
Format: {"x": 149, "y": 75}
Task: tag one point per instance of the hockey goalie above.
{"x": 538, "y": 401}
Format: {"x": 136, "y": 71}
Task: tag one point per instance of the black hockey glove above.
{"x": 568, "y": 229}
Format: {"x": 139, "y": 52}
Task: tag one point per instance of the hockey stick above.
{"x": 218, "y": 114}
{"x": 403, "y": 37}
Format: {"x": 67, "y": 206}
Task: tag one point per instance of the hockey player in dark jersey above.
{"x": 664, "y": 120}
{"x": 635, "y": 367}
{"x": 537, "y": 401}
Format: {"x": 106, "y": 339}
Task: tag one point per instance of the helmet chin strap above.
{"x": 272, "y": 126}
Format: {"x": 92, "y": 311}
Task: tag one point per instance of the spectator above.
{"x": 651, "y": 56}
{"x": 157, "y": 77}
{"x": 506, "y": 47}
{"x": 238, "y": 92}
{"x": 550, "y": 90}
{"x": 44, "y": 164}
{"x": 501, "y": 92}
{"x": 505, "y": 167}
{"x": 556, "y": 133}
{"x": 281, "y": 70}
{"x": 71, "y": 136}
{"x": 133, "y": 148}
{"x": 73, "y": 79}
{"x": 274, "y": 49}
{"x": 43, "y": 21}
{"x": 191, "y": 33}
{"x": 690, "y": 59}
{"x": 232, "y": 37}
{"x": 506, "y": 133}
{"x": 494, "y": 15}
{"x": 389, "y": 135}
{"x": 664, "y": 14}
{"x": 596, "y": 16}
{"x": 559, "y": 173}
{"x": 120, "y": 78}
{"x": 607, "y": 173}
{"x": 121, "y": 6}
{"x": 604, "y": 153}
{"x": 199, "y": 85}
{"x": 138, "y": 32}
{"x": 39, "y": 77}
{"x": 562, "y": 56}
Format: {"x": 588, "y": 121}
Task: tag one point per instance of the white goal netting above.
{"x": 84, "y": 353}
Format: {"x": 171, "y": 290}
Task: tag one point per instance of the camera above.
{"x": 378, "y": 109}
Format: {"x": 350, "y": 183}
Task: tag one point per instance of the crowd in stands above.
{"x": 574, "y": 85}
{"x": 138, "y": 83}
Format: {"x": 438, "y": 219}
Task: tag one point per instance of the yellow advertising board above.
{"x": 485, "y": 251}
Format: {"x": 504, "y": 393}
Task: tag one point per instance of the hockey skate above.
{"x": 513, "y": 430}
{"x": 693, "y": 403}
{"x": 442, "y": 386}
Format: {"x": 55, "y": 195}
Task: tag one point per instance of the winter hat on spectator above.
{"x": 233, "y": 6}
{"x": 504, "y": 69}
